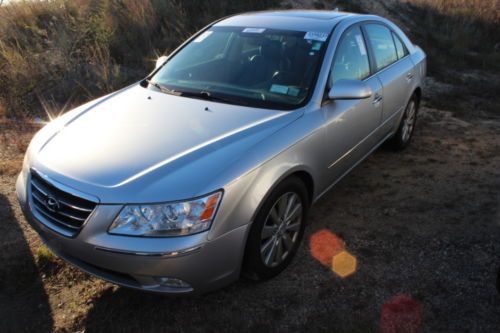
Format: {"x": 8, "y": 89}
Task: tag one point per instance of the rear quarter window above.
{"x": 382, "y": 44}
{"x": 401, "y": 49}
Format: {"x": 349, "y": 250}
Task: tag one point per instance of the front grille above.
{"x": 64, "y": 212}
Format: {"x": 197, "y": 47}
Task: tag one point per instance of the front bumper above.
{"x": 138, "y": 262}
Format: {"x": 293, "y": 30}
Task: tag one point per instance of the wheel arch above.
{"x": 418, "y": 92}
{"x": 300, "y": 172}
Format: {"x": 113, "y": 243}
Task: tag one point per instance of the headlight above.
{"x": 168, "y": 219}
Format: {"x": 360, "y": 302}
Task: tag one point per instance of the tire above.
{"x": 283, "y": 236}
{"x": 403, "y": 135}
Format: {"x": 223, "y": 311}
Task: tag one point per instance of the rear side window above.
{"x": 382, "y": 44}
{"x": 351, "y": 58}
{"x": 400, "y": 47}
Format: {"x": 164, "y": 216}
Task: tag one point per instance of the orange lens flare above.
{"x": 329, "y": 250}
{"x": 324, "y": 246}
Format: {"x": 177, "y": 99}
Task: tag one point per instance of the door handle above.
{"x": 377, "y": 99}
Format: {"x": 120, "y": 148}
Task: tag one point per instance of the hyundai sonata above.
{"x": 207, "y": 168}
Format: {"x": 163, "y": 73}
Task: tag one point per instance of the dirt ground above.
{"x": 423, "y": 225}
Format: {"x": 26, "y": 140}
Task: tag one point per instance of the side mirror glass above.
{"x": 160, "y": 61}
{"x": 350, "y": 89}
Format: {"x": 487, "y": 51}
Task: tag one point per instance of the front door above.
{"x": 351, "y": 124}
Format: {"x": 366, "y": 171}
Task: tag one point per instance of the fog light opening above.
{"x": 171, "y": 282}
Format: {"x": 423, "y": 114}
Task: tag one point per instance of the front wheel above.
{"x": 277, "y": 230}
{"x": 405, "y": 130}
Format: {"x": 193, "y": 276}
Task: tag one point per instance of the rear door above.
{"x": 351, "y": 124}
{"x": 394, "y": 69}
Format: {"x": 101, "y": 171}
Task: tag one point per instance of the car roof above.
{"x": 299, "y": 20}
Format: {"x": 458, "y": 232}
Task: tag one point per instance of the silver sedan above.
{"x": 207, "y": 168}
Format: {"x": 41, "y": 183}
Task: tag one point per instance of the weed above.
{"x": 44, "y": 255}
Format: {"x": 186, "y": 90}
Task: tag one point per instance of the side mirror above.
{"x": 349, "y": 89}
{"x": 160, "y": 61}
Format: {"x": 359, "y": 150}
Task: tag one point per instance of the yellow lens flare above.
{"x": 344, "y": 264}
{"x": 329, "y": 250}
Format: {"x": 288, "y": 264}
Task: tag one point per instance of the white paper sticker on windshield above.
{"x": 254, "y": 30}
{"x": 361, "y": 44}
{"x": 202, "y": 37}
{"x": 319, "y": 36}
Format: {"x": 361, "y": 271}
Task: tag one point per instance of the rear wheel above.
{"x": 405, "y": 130}
{"x": 277, "y": 230}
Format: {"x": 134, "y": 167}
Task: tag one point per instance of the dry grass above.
{"x": 10, "y": 167}
{"x": 457, "y": 33}
{"x": 14, "y": 139}
{"x": 462, "y": 42}
{"x": 62, "y": 52}
{"x": 66, "y": 51}
{"x": 484, "y": 10}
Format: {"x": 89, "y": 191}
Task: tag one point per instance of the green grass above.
{"x": 44, "y": 255}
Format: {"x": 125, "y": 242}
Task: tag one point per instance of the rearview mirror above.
{"x": 160, "y": 61}
{"x": 349, "y": 89}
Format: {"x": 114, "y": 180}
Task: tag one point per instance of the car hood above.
{"x": 141, "y": 145}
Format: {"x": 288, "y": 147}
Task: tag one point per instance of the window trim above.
{"x": 371, "y": 57}
{"x": 405, "y": 49}
{"x": 373, "y": 67}
{"x": 341, "y": 39}
{"x": 377, "y": 70}
{"x": 370, "y": 49}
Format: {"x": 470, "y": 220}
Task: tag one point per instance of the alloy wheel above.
{"x": 409, "y": 122}
{"x": 281, "y": 229}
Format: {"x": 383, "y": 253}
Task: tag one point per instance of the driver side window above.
{"x": 351, "y": 58}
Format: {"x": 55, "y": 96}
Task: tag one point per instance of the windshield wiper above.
{"x": 207, "y": 95}
{"x": 162, "y": 88}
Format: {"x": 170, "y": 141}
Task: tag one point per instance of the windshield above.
{"x": 246, "y": 66}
